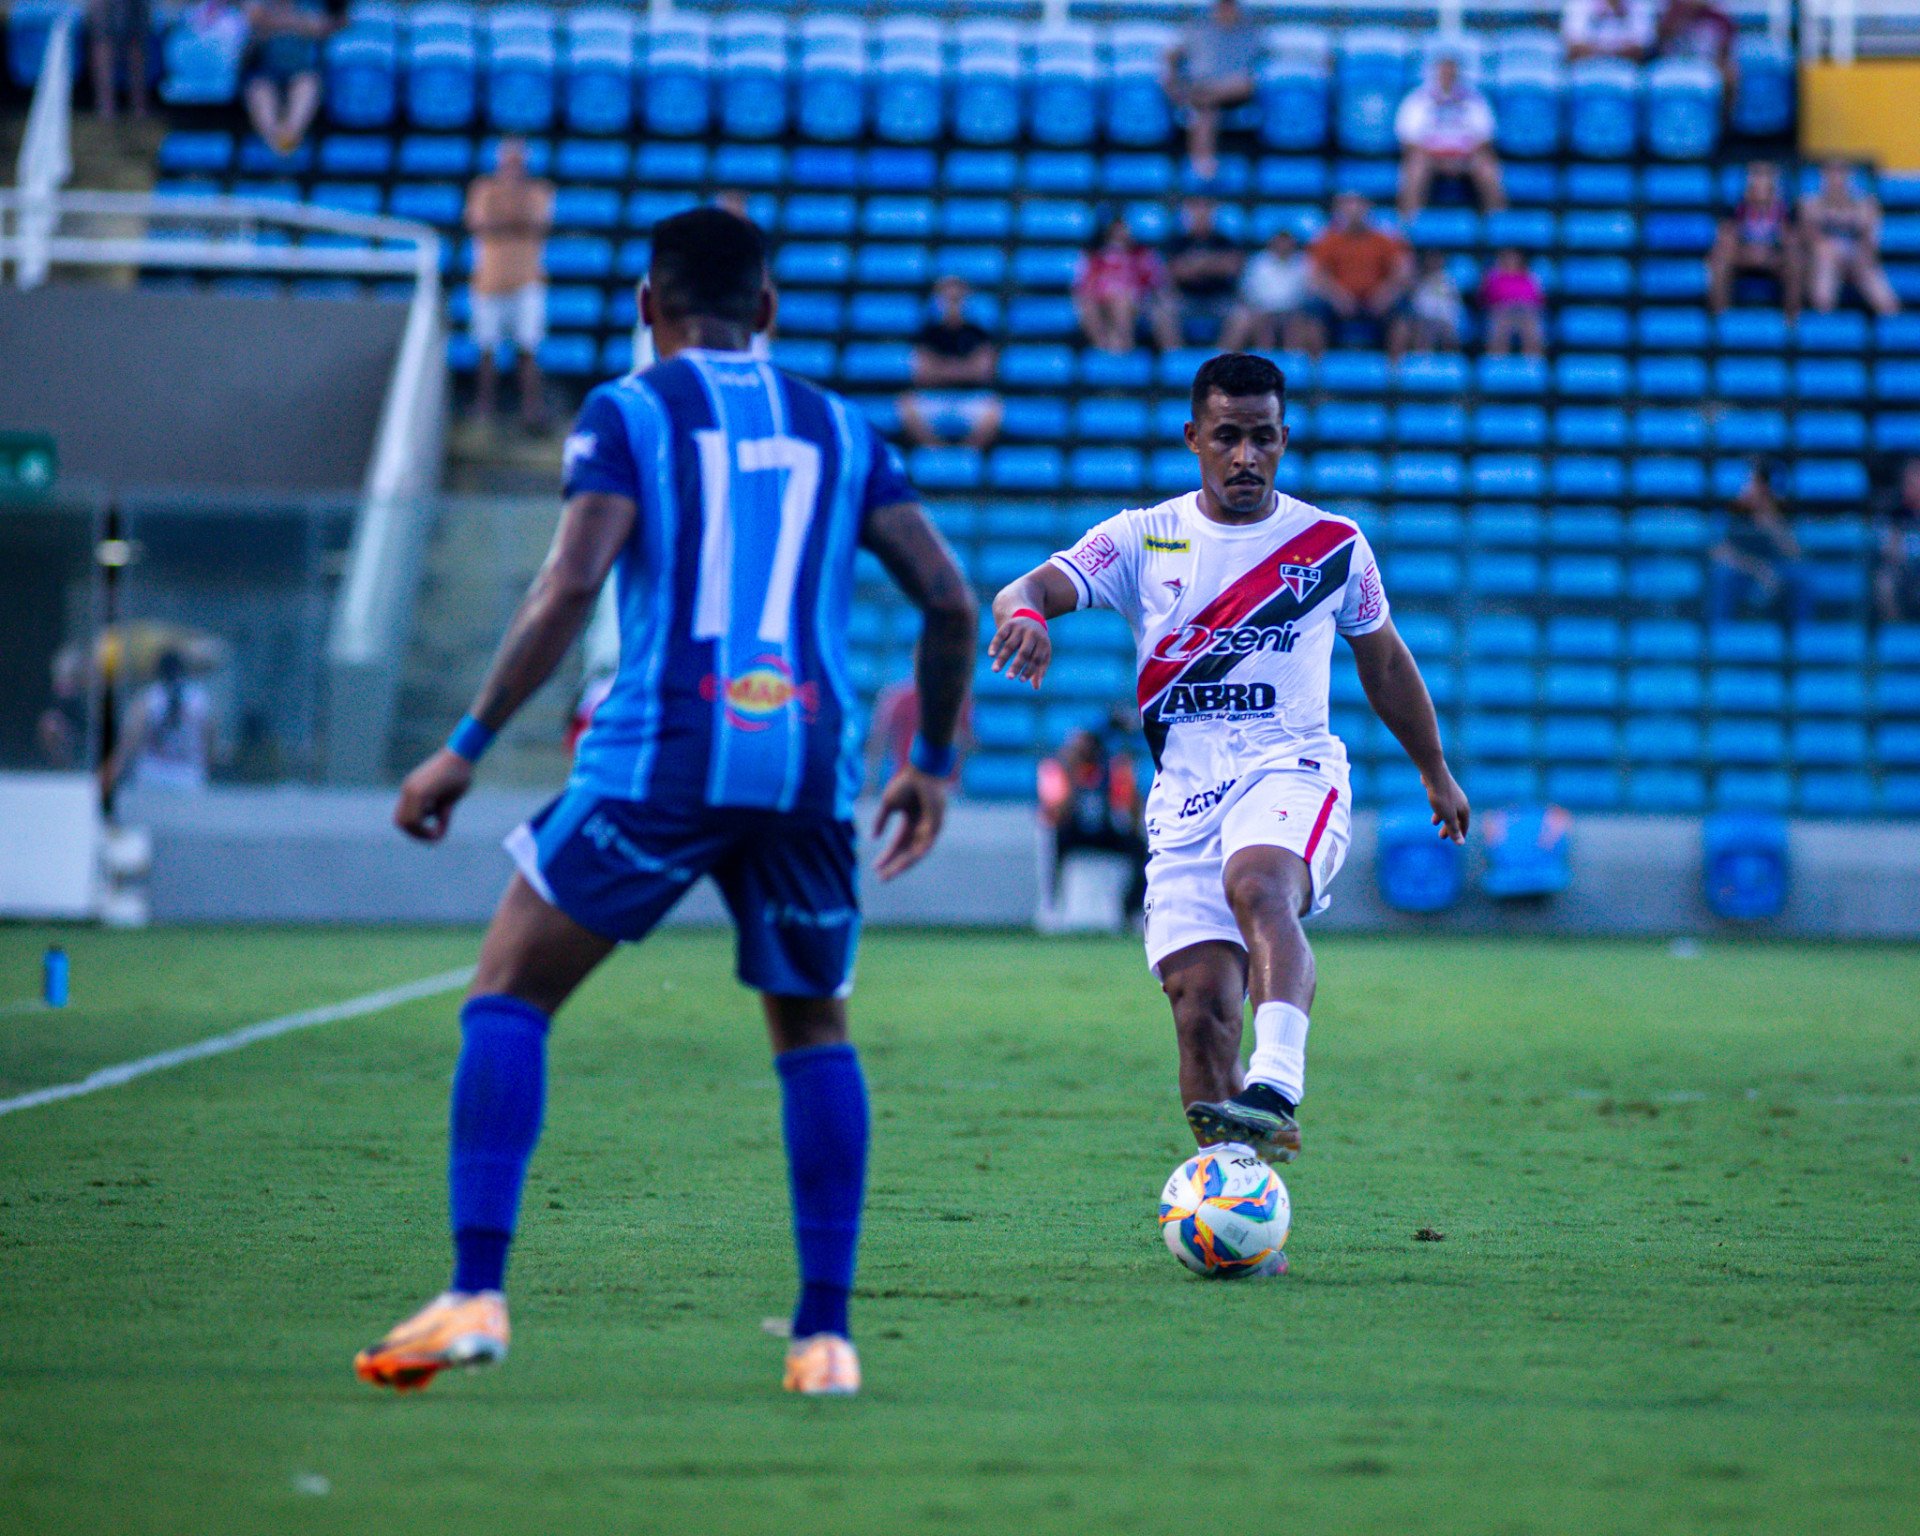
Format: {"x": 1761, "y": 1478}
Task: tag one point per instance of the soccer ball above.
{"x": 1224, "y": 1213}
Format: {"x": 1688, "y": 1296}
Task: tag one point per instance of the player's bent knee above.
{"x": 1270, "y": 890}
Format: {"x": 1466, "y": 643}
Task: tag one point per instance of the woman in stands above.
{"x": 1843, "y": 244}
{"x": 283, "y": 66}
{"x": 1757, "y": 239}
{"x": 1117, "y": 282}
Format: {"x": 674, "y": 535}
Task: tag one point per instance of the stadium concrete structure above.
{"x": 1543, "y": 525}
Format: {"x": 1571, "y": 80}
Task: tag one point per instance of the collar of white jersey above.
{"x": 718, "y": 355}
{"x": 1284, "y": 507}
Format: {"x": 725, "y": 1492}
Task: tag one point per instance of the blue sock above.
{"x": 499, "y": 1090}
{"x": 825, "y": 1119}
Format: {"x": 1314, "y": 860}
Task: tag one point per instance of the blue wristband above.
{"x": 937, "y": 761}
{"x": 470, "y": 739}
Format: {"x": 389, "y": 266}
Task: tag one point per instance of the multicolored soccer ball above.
{"x": 1225, "y": 1213}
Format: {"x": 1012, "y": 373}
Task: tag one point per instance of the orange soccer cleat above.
{"x": 822, "y": 1366}
{"x": 454, "y": 1330}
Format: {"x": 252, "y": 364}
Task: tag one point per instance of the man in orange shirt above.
{"x": 508, "y": 215}
{"x": 1358, "y": 275}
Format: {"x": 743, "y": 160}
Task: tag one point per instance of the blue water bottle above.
{"x": 54, "y": 977}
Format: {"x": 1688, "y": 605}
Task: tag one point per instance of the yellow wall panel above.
{"x": 1868, "y": 111}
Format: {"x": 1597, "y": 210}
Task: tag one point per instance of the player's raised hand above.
{"x": 1022, "y": 648}
{"x": 429, "y": 794}
{"x": 1450, "y": 809}
{"x": 920, "y": 801}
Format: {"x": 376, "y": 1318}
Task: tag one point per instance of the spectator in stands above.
{"x": 1204, "y": 265}
{"x": 167, "y": 739}
{"x": 1091, "y": 799}
{"x": 1359, "y": 275}
{"x": 953, "y": 365}
{"x": 508, "y": 215}
{"x": 1608, "y": 29}
{"x": 1211, "y": 68}
{"x": 119, "y": 30}
{"x": 282, "y": 69}
{"x": 1757, "y": 240}
{"x": 1445, "y": 128}
{"x": 1118, "y": 284}
{"x": 1273, "y": 298}
{"x": 1700, "y": 29}
{"x": 1896, "y": 576}
{"x": 1514, "y": 304}
{"x": 1438, "y": 315}
{"x": 1756, "y": 564}
{"x": 1842, "y": 229}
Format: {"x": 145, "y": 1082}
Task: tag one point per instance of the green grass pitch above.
{"x": 1678, "y": 1287}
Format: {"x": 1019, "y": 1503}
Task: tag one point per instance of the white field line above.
{"x": 252, "y": 1034}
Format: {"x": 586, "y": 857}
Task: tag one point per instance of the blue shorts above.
{"x": 617, "y": 867}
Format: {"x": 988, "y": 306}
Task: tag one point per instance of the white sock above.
{"x": 1279, "y": 1049}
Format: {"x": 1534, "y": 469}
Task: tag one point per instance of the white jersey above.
{"x": 1233, "y": 629}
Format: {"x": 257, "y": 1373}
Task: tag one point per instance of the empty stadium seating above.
{"x": 1543, "y": 525}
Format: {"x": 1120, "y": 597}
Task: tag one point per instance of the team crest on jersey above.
{"x": 1299, "y": 579}
{"x": 753, "y": 698}
{"x": 1159, "y": 546}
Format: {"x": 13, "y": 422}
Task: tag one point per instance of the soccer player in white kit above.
{"x": 1234, "y": 593}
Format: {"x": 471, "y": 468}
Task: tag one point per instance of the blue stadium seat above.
{"x": 1430, "y": 527}
{"x": 1294, "y": 103}
{"x": 1581, "y": 637}
{"x": 1589, "y": 426}
{"x": 830, "y": 98}
{"x": 945, "y": 468}
{"x": 1897, "y": 333}
{"x": 1829, "y": 691}
{"x": 1584, "y": 787}
{"x": 814, "y": 263}
{"x": 1510, "y": 426}
{"x": 1502, "y": 636}
{"x": 1580, "y": 686}
{"x": 1666, "y": 790}
{"x": 1831, "y": 644}
{"x": 672, "y": 165}
{"x": 1830, "y": 431}
{"x": 346, "y": 196}
{"x": 987, "y": 98}
{"x": 568, "y": 356}
{"x": 1346, "y": 473}
{"x": 1579, "y": 738}
{"x": 983, "y": 266}
{"x": 1746, "y": 690}
{"x": 1415, "y": 573}
{"x": 1354, "y": 373}
{"x": 1598, "y": 326}
{"x": 818, "y": 213}
{"x": 576, "y": 207}
{"x": 1031, "y": 418}
{"x": 975, "y": 218}
{"x": 811, "y": 314}
{"x": 1670, "y": 428}
{"x": 1528, "y": 97}
{"x": 1657, "y": 688}
{"x": 431, "y": 202}
{"x": 752, "y": 94}
{"x": 1671, "y": 378}
{"x": 1105, "y": 469}
{"x": 1682, "y": 109}
{"x": 1350, "y": 421}
{"x": 1425, "y": 474}
{"x": 1848, "y": 793}
{"x": 811, "y": 359}
{"x": 1370, "y": 80}
{"x": 1425, "y": 373}
{"x": 1499, "y": 737}
{"x": 592, "y": 160}
{"x": 1829, "y": 743}
{"x": 1429, "y": 424}
{"x": 1603, "y": 109}
{"x": 878, "y": 362}
{"x": 1025, "y": 469}
{"x": 1750, "y": 431}
{"x": 1678, "y": 640}
{"x": 1045, "y": 266}
{"x": 1830, "y": 378}
{"x": 1037, "y": 365}
{"x": 1764, "y": 103}
{"x": 1064, "y": 105}
{"x": 1837, "y": 480}
{"x": 645, "y": 209}
{"x": 1587, "y": 477}
{"x": 442, "y": 83}
{"x": 1841, "y": 331}
{"x": 1897, "y": 744}
{"x": 1111, "y": 419}
{"x": 1750, "y": 378}
{"x": 1674, "y": 738}
{"x": 601, "y": 53}
{"x": 1749, "y": 641}
{"x": 1531, "y": 229}
{"x": 1746, "y": 743}
{"x": 1511, "y": 376}
{"x": 1585, "y": 578}
{"x": 1521, "y": 475}
{"x": 582, "y": 257}
{"x": 1668, "y": 478}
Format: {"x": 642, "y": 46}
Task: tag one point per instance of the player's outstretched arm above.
{"x": 1021, "y": 646}
{"x": 1399, "y": 697}
{"x": 923, "y": 567}
{"x": 593, "y": 526}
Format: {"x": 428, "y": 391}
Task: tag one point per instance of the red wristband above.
{"x": 1029, "y": 613}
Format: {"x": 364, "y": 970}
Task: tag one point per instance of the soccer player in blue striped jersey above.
{"x": 728, "y": 501}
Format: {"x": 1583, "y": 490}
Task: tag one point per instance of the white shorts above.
{"x": 1305, "y": 812}
{"x": 521, "y": 314}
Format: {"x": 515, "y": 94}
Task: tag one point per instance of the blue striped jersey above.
{"x": 734, "y": 587}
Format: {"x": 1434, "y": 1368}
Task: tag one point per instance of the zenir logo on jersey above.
{"x": 1191, "y": 640}
{"x": 1159, "y": 546}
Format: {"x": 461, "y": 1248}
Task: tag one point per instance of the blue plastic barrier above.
{"x": 1745, "y": 865}
{"x": 1417, "y": 870}
{"x": 1528, "y": 851}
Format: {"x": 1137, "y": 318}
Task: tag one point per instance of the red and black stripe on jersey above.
{"x": 1265, "y": 597}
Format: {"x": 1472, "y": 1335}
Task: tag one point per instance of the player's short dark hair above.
{"x": 710, "y": 262}
{"x": 1238, "y": 375}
